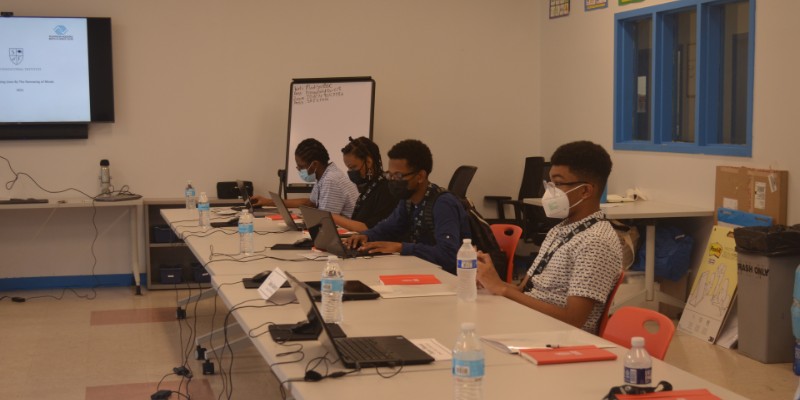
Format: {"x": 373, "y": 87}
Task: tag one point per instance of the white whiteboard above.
{"x": 329, "y": 110}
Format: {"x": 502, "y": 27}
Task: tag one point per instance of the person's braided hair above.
{"x": 362, "y": 148}
{"x": 310, "y": 150}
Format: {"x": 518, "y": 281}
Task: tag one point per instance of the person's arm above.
{"x": 349, "y": 224}
{"x": 447, "y": 220}
{"x": 575, "y": 312}
{"x": 290, "y": 203}
{"x": 392, "y": 227}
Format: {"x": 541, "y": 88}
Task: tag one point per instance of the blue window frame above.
{"x": 683, "y": 79}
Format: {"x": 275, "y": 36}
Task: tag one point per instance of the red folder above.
{"x": 570, "y": 354}
{"x": 419, "y": 279}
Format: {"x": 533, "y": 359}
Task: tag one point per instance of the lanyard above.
{"x": 371, "y": 186}
{"x": 553, "y": 248}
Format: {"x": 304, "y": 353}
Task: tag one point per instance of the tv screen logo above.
{"x": 16, "y": 56}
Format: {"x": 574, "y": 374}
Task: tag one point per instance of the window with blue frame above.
{"x": 684, "y": 77}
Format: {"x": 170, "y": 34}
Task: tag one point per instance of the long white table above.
{"x": 649, "y": 212}
{"x": 135, "y": 207}
{"x": 436, "y": 317}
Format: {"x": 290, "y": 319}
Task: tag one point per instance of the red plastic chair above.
{"x": 507, "y": 237}
{"x": 628, "y": 322}
{"x": 609, "y": 300}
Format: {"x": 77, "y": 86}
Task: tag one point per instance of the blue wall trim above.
{"x": 60, "y": 282}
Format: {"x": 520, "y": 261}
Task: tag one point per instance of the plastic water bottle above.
{"x": 191, "y": 202}
{"x": 105, "y": 177}
{"x": 796, "y": 321}
{"x": 246, "y": 234}
{"x": 467, "y": 269}
{"x": 638, "y": 364}
{"x": 468, "y": 366}
{"x": 332, "y": 285}
{"x": 204, "y": 210}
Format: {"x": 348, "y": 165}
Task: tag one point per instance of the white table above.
{"x": 649, "y": 212}
{"x": 135, "y": 206}
{"x": 421, "y": 317}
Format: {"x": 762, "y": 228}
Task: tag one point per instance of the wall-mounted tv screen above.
{"x": 56, "y": 76}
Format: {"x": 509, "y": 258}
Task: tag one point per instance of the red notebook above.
{"x": 419, "y": 279}
{"x": 570, "y": 354}
{"x": 694, "y": 394}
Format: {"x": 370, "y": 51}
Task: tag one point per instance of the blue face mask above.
{"x": 306, "y": 176}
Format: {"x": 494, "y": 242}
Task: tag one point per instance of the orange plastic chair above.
{"x": 507, "y": 237}
{"x": 628, "y": 322}
{"x": 609, "y": 300}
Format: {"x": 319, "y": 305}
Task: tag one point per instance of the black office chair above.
{"x": 532, "y": 219}
{"x": 461, "y": 180}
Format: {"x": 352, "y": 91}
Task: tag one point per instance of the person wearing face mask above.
{"x": 408, "y": 230}
{"x": 333, "y": 190}
{"x": 581, "y": 257}
{"x": 364, "y": 168}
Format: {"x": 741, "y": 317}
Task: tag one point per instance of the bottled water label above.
{"x": 468, "y": 368}
{"x": 190, "y": 192}
{"x": 203, "y": 207}
{"x": 467, "y": 264}
{"x": 638, "y": 376}
{"x": 332, "y": 285}
{"x": 245, "y": 228}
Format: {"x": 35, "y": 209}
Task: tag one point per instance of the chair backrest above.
{"x": 531, "y": 185}
{"x": 628, "y": 322}
{"x": 461, "y": 179}
{"x": 609, "y": 300}
{"x": 507, "y": 236}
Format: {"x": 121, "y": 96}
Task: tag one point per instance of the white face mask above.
{"x": 555, "y": 201}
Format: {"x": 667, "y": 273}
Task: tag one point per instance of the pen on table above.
{"x": 552, "y": 346}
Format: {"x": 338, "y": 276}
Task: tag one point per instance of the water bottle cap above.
{"x": 245, "y": 212}
{"x": 333, "y": 258}
{"x": 467, "y": 326}
{"x": 467, "y": 241}
{"x": 104, "y": 163}
{"x": 637, "y": 341}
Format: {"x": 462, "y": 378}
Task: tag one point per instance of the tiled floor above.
{"x": 119, "y": 346}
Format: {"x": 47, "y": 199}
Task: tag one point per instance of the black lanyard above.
{"x": 418, "y": 219}
{"x": 553, "y": 248}
{"x": 370, "y": 187}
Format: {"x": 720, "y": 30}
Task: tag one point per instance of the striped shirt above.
{"x": 335, "y": 192}
{"x": 586, "y": 266}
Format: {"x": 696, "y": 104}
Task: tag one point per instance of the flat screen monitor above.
{"x": 57, "y": 72}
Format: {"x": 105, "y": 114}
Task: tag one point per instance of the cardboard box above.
{"x": 758, "y": 191}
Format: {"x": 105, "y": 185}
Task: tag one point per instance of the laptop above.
{"x": 326, "y": 236}
{"x": 359, "y": 352}
{"x": 285, "y": 214}
{"x": 256, "y": 212}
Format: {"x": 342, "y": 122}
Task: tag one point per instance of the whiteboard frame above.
{"x": 292, "y": 183}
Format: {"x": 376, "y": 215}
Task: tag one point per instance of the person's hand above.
{"x": 382, "y": 247}
{"x": 487, "y": 275}
{"x": 257, "y": 200}
{"x": 355, "y": 241}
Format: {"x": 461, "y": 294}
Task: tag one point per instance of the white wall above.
{"x": 202, "y": 90}
{"x": 577, "y": 92}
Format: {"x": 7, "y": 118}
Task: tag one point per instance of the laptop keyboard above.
{"x": 363, "y": 349}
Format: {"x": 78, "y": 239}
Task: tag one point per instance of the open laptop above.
{"x": 326, "y": 236}
{"x": 257, "y": 212}
{"x": 359, "y": 352}
{"x": 285, "y": 214}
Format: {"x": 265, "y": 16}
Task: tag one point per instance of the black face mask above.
{"x": 355, "y": 177}
{"x": 399, "y": 190}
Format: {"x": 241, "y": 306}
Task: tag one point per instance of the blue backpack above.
{"x": 673, "y": 252}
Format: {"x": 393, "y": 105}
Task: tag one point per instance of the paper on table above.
{"x": 401, "y": 291}
{"x": 512, "y": 342}
{"x": 434, "y": 349}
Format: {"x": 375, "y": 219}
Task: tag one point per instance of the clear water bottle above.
{"x": 105, "y": 177}
{"x": 638, "y": 364}
{"x": 332, "y": 284}
{"x": 188, "y": 193}
{"x": 467, "y": 269}
{"x": 796, "y": 321}
{"x": 246, "y": 234}
{"x": 204, "y": 209}
{"x": 468, "y": 366}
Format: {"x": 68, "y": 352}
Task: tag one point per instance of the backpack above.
{"x": 482, "y": 236}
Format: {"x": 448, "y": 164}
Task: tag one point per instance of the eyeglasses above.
{"x": 306, "y": 167}
{"x": 397, "y": 175}
{"x": 553, "y": 185}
